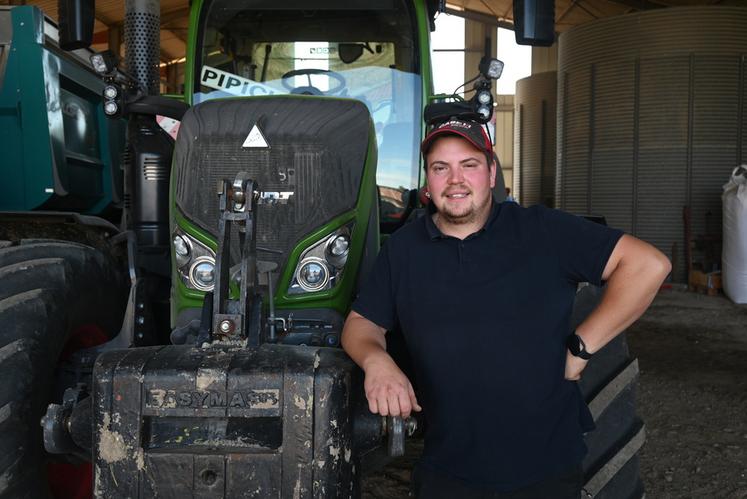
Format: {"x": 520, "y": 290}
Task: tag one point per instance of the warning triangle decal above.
{"x": 255, "y": 138}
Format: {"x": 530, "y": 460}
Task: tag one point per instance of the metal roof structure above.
{"x": 568, "y": 13}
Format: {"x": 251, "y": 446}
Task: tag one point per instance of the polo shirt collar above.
{"x": 435, "y": 233}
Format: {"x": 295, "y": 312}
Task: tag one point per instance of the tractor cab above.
{"x": 322, "y": 109}
{"x": 368, "y": 51}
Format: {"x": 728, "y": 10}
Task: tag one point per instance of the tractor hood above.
{"x": 306, "y": 154}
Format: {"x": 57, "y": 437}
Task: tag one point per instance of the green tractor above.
{"x": 187, "y": 336}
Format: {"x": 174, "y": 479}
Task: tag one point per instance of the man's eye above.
{"x": 470, "y": 165}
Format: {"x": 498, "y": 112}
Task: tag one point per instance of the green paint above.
{"x": 189, "y": 66}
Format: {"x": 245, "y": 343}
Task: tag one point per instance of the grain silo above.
{"x": 652, "y": 118}
{"x": 534, "y": 139}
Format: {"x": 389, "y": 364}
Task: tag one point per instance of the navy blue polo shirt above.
{"x": 485, "y": 321}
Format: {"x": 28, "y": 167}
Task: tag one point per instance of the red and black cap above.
{"x": 470, "y": 130}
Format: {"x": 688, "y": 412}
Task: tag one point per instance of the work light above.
{"x": 111, "y": 108}
{"x": 104, "y": 63}
{"x": 491, "y": 68}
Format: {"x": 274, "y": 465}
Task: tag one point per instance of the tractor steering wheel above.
{"x": 311, "y": 89}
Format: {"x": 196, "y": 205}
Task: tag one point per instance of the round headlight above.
{"x": 312, "y": 274}
{"x": 111, "y": 92}
{"x": 483, "y": 97}
{"x": 202, "y": 274}
{"x": 484, "y": 111}
{"x": 111, "y": 107}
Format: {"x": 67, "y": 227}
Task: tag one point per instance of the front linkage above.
{"x": 239, "y": 415}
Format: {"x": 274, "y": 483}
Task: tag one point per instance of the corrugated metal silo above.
{"x": 534, "y": 139}
{"x": 652, "y": 118}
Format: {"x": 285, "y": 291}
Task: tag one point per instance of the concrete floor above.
{"x": 692, "y": 351}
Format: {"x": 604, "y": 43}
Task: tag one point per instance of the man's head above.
{"x": 460, "y": 171}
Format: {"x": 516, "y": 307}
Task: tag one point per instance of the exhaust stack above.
{"x": 142, "y": 29}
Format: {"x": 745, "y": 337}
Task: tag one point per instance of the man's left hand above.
{"x": 573, "y": 366}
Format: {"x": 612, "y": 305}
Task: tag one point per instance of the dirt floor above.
{"x": 692, "y": 352}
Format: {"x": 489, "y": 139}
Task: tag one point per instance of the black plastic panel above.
{"x": 316, "y": 150}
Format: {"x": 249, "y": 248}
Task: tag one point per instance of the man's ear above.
{"x": 495, "y": 165}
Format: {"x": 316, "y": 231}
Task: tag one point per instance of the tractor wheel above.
{"x": 49, "y": 291}
{"x": 611, "y": 469}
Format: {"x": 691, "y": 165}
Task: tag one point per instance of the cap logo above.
{"x": 456, "y": 123}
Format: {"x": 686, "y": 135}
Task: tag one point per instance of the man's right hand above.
{"x": 388, "y": 390}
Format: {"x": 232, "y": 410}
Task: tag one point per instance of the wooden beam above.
{"x": 480, "y": 17}
{"x": 174, "y": 15}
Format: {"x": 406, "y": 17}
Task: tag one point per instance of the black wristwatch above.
{"x": 577, "y": 347}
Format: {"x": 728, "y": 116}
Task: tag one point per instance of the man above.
{"x": 483, "y": 293}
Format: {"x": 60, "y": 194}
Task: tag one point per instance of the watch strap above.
{"x": 577, "y": 347}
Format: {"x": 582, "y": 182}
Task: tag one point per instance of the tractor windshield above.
{"x": 360, "y": 49}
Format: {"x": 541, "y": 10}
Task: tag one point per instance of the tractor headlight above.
{"x": 111, "y": 92}
{"x": 111, "y": 108}
{"x": 338, "y": 248}
{"x": 202, "y": 273}
{"x": 313, "y": 274}
{"x": 195, "y": 262}
{"x": 181, "y": 250}
{"x": 484, "y": 97}
{"x": 321, "y": 266}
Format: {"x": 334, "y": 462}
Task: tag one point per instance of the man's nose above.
{"x": 455, "y": 175}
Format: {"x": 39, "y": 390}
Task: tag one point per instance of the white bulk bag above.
{"x": 734, "y": 252}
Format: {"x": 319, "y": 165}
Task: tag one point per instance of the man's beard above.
{"x": 463, "y": 215}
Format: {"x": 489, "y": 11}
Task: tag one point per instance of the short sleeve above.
{"x": 582, "y": 247}
{"x": 375, "y": 301}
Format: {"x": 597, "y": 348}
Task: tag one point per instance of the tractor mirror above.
{"x": 534, "y": 22}
{"x": 75, "y": 20}
{"x": 349, "y": 52}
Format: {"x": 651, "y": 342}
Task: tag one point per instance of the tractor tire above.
{"x": 48, "y": 290}
{"x": 611, "y": 468}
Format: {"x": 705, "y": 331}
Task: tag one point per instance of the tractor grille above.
{"x": 317, "y": 150}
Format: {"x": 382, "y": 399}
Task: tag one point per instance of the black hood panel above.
{"x": 316, "y": 150}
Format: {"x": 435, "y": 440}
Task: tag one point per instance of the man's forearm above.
{"x": 363, "y": 341}
{"x": 631, "y": 288}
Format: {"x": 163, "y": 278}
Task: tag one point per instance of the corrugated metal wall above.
{"x": 652, "y": 118}
{"x": 534, "y": 139}
{"x": 504, "y": 136}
